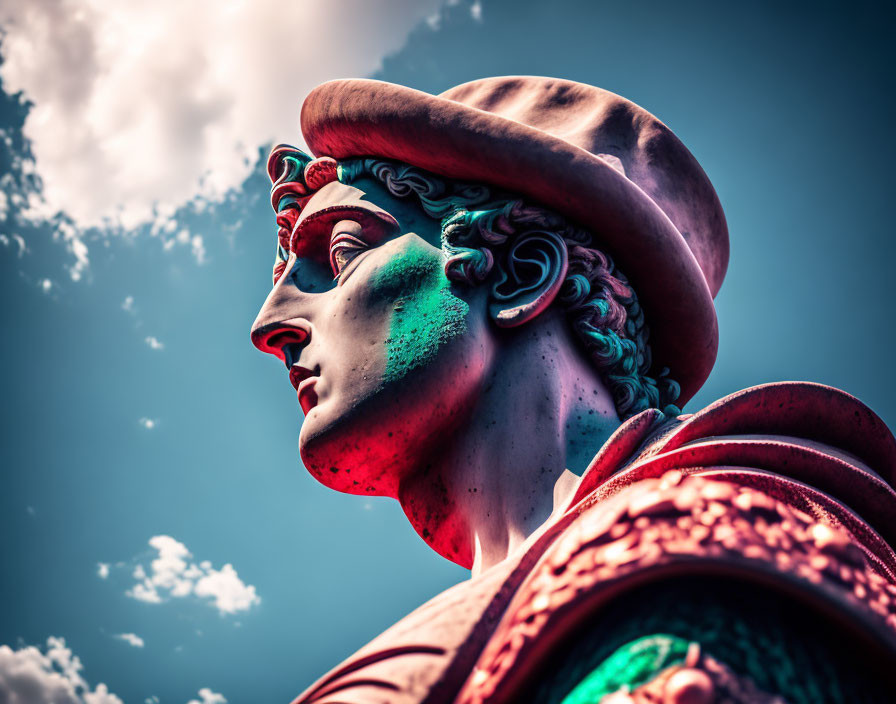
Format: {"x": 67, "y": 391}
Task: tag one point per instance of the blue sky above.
{"x": 134, "y": 405}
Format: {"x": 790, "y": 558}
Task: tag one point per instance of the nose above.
{"x": 280, "y": 329}
{"x": 284, "y": 340}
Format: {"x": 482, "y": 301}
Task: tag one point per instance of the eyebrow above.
{"x": 316, "y": 228}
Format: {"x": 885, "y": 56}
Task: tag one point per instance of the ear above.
{"x": 530, "y": 277}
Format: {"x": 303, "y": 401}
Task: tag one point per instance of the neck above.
{"x": 541, "y": 419}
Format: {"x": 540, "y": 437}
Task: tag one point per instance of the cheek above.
{"x": 423, "y": 313}
{"x": 405, "y": 357}
{"x": 353, "y": 337}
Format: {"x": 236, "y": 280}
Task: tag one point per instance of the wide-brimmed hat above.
{"x": 598, "y": 159}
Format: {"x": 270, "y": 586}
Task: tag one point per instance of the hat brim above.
{"x": 360, "y": 117}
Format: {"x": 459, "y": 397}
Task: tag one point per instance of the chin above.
{"x": 368, "y": 446}
{"x": 368, "y": 440}
{"x": 351, "y": 452}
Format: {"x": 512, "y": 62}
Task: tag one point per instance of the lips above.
{"x": 298, "y": 374}
{"x": 303, "y": 380}
{"x": 307, "y": 395}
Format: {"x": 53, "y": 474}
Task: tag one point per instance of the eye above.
{"x": 345, "y": 245}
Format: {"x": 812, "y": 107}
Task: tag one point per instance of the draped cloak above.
{"x": 785, "y": 487}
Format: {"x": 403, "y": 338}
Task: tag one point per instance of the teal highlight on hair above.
{"x": 287, "y": 202}
{"x": 477, "y": 223}
{"x": 294, "y": 166}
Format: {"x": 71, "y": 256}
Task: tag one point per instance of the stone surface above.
{"x": 479, "y": 297}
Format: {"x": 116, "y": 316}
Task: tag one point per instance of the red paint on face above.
{"x": 363, "y": 432}
{"x": 307, "y": 396}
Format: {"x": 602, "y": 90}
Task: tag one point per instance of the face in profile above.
{"x": 384, "y": 351}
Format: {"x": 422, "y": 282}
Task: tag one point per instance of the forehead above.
{"x": 333, "y": 203}
{"x": 367, "y": 201}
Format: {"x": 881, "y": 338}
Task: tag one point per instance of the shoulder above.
{"x": 745, "y": 577}
{"x": 803, "y": 411}
{"x": 812, "y": 446}
{"x": 786, "y": 487}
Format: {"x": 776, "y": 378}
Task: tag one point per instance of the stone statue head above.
{"x": 436, "y": 239}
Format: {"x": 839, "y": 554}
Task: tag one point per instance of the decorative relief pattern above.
{"x": 670, "y": 525}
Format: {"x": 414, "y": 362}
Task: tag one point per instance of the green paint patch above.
{"x": 630, "y": 666}
{"x": 425, "y": 315}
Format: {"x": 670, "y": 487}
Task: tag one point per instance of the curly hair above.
{"x": 479, "y": 227}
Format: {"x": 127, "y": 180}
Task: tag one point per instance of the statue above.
{"x": 493, "y": 304}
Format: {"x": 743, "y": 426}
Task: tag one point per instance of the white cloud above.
{"x": 45, "y": 285}
{"x": 127, "y": 304}
{"x": 207, "y": 696}
{"x": 476, "y": 10}
{"x": 131, "y": 638}
{"x": 18, "y": 240}
{"x": 102, "y": 570}
{"x": 154, "y": 343}
{"x": 148, "y": 423}
{"x": 52, "y": 676}
{"x": 140, "y": 107}
{"x": 172, "y": 574}
{"x": 227, "y": 589}
{"x": 77, "y": 247}
{"x": 197, "y": 247}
